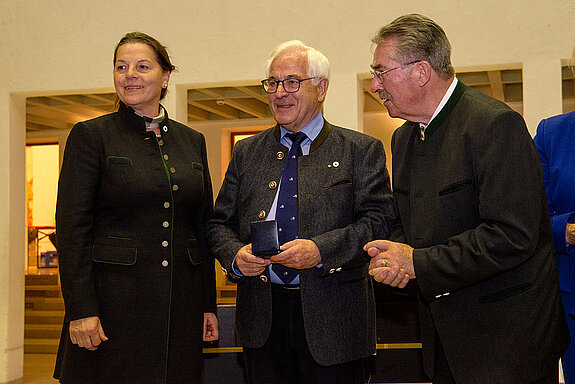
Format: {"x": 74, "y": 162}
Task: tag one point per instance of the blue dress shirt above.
{"x": 311, "y": 130}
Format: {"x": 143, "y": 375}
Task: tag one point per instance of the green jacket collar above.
{"x": 446, "y": 111}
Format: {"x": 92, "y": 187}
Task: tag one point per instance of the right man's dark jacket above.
{"x": 470, "y": 199}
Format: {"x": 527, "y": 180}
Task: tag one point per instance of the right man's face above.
{"x": 394, "y": 89}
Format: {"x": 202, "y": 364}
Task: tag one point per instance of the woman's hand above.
{"x": 210, "y": 327}
{"x": 87, "y": 332}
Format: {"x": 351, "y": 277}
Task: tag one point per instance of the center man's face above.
{"x": 294, "y": 110}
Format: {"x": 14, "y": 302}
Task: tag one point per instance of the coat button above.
{"x": 173, "y": 170}
{"x": 160, "y": 142}
{"x": 338, "y": 269}
{"x": 280, "y": 155}
{"x": 262, "y": 214}
{"x": 273, "y": 185}
{"x": 164, "y": 243}
{"x": 167, "y": 204}
{"x": 264, "y": 278}
{"x": 165, "y": 263}
{"x": 166, "y": 157}
{"x": 166, "y": 224}
{"x": 331, "y": 271}
{"x": 175, "y": 187}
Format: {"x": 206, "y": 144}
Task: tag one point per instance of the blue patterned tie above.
{"x": 286, "y": 214}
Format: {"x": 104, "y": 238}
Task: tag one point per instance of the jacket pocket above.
{"x": 119, "y": 160}
{"x": 194, "y": 253}
{"x": 338, "y": 184}
{"x": 505, "y": 293}
{"x": 400, "y": 191}
{"x": 111, "y": 254}
{"x": 458, "y": 186}
{"x": 119, "y": 169}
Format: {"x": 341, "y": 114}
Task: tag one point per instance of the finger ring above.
{"x": 383, "y": 263}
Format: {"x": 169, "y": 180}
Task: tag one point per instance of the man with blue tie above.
{"x": 305, "y": 314}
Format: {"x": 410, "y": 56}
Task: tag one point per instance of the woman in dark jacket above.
{"x": 133, "y": 199}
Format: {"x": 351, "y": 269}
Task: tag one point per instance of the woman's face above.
{"x": 139, "y": 78}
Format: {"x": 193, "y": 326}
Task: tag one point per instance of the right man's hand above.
{"x": 87, "y": 332}
{"x": 391, "y": 263}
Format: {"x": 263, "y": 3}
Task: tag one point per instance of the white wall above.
{"x": 66, "y": 46}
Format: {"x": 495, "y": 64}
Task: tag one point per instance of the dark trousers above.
{"x": 285, "y": 357}
{"x": 443, "y": 373}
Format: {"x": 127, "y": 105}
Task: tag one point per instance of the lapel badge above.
{"x": 280, "y": 155}
{"x": 335, "y": 164}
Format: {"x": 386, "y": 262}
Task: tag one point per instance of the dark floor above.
{"x": 38, "y": 369}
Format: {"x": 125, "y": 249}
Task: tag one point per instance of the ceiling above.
{"x": 228, "y": 103}
{"x": 61, "y": 112}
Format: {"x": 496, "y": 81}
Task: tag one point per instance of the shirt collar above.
{"x": 311, "y": 130}
{"x": 153, "y": 123}
{"x": 154, "y": 120}
{"x": 446, "y": 97}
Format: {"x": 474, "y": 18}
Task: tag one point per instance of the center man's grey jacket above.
{"x": 344, "y": 202}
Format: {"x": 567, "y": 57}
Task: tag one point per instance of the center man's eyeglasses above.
{"x": 290, "y": 85}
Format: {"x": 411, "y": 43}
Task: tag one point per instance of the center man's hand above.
{"x": 248, "y": 264}
{"x": 298, "y": 254}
